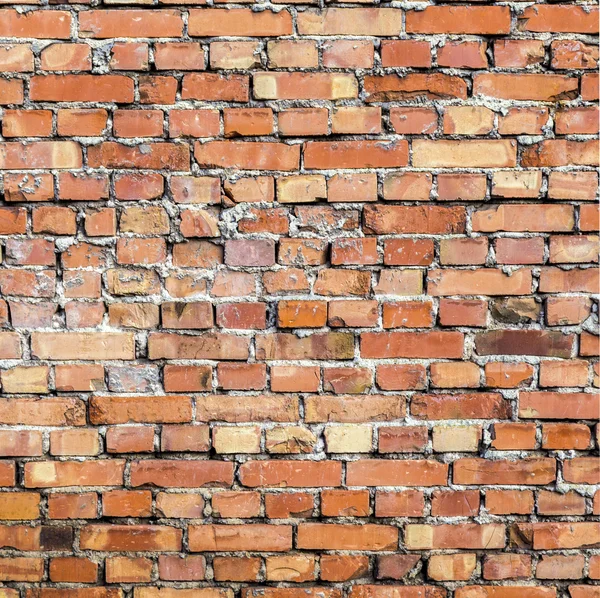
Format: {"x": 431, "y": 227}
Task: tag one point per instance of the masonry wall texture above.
{"x": 299, "y": 300}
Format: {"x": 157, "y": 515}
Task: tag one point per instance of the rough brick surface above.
{"x": 299, "y": 299}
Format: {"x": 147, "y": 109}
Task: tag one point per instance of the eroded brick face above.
{"x": 299, "y": 300}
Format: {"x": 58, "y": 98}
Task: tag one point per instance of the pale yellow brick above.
{"x": 449, "y": 374}
{"x": 348, "y": 439}
{"x": 301, "y": 189}
{"x": 234, "y": 439}
{"x": 447, "y": 439}
{"x": 290, "y": 440}
{"x": 297, "y": 568}
{"x": 468, "y": 120}
{"x": 74, "y": 442}
{"x": 25, "y": 380}
{"x": 451, "y": 567}
{"x": 526, "y": 184}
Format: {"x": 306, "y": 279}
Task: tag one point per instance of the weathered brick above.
{"x": 355, "y": 154}
{"x": 464, "y": 153}
{"x": 290, "y": 473}
{"x": 381, "y": 219}
{"x": 452, "y": 536}
{"x": 36, "y": 24}
{"x": 559, "y": 19}
{"x": 222, "y": 538}
{"x": 181, "y": 474}
{"x": 123, "y": 538}
{"x": 305, "y": 86}
{"x": 525, "y": 87}
{"x": 52, "y": 474}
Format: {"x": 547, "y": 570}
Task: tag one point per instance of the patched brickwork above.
{"x": 299, "y": 300}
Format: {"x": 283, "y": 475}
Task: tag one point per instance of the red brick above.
{"x": 468, "y": 54}
{"x": 241, "y": 122}
{"x": 343, "y": 568}
{"x": 241, "y": 376}
{"x": 125, "y": 569}
{"x": 589, "y": 87}
{"x": 408, "y": 53}
{"x": 551, "y": 503}
{"x": 130, "y": 439}
{"x": 52, "y": 474}
{"x": 221, "y": 538}
{"x": 250, "y": 156}
{"x": 40, "y": 154}
{"x": 347, "y": 380}
{"x": 294, "y": 379}
{"x": 185, "y": 438}
{"x": 82, "y": 88}
{"x": 520, "y": 251}
{"x": 72, "y": 569}
{"x": 400, "y": 219}
{"x": 479, "y": 471}
{"x": 27, "y": 123}
{"x": 345, "y": 503}
{"x": 290, "y": 473}
{"x": 122, "y": 410}
{"x": 123, "y": 503}
{"x": 523, "y": 120}
{"x": 558, "y": 152}
{"x": 17, "y": 59}
{"x": 129, "y": 56}
{"x": 407, "y": 503}
{"x": 377, "y": 345}
{"x": 236, "y": 568}
{"x": 342, "y": 53}
{"x": 303, "y": 121}
{"x": 504, "y": 592}
{"x": 512, "y": 53}
{"x": 461, "y": 187}
{"x": 407, "y": 121}
{"x": 507, "y": 566}
{"x": 524, "y": 342}
{"x": 372, "y": 591}
{"x": 492, "y": 20}
{"x": 158, "y": 155}
{"x": 66, "y": 57}
{"x": 36, "y": 24}
{"x": 355, "y": 154}
{"x": 406, "y": 439}
{"x": 514, "y": 436}
{"x": 175, "y": 568}
{"x": 181, "y": 474}
{"x": 559, "y": 19}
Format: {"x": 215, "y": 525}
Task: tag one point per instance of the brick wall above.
{"x": 298, "y": 301}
